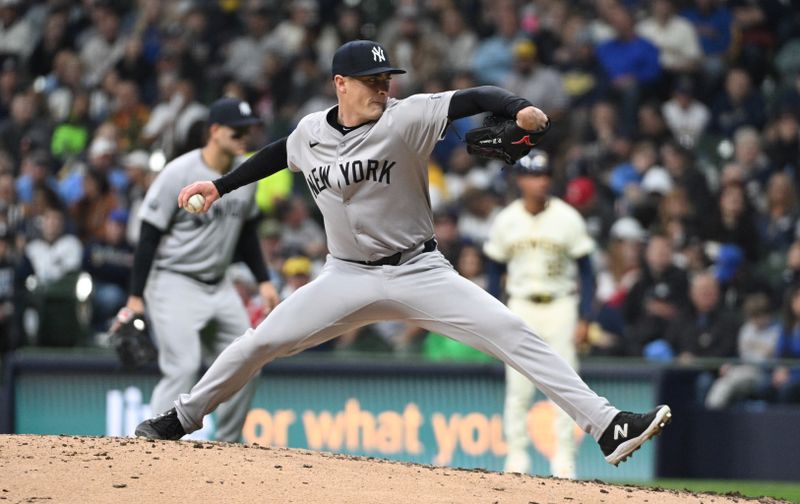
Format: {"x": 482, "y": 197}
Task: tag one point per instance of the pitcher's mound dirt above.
{"x": 73, "y": 469}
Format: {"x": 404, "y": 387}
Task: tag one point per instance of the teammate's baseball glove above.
{"x": 130, "y": 338}
{"x": 501, "y": 138}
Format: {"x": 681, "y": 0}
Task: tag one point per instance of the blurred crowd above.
{"x": 676, "y": 134}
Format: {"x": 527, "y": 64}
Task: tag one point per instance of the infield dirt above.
{"x": 74, "y": 469}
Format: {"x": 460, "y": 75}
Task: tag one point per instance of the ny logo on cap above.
{"x": 244, "y": 109}
{"x": 377, "y": 54}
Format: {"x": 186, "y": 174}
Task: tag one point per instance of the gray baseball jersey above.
{"x": 198, "y": 245}
{"x": 186, "y": 287}
{"x": 372, "y": 188}
{"x": 378, "y": 169}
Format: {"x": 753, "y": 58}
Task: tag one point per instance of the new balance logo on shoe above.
{"x": 629, "y": 431}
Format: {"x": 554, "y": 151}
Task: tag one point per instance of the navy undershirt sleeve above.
{"x": 471, "y": 101}
{"x": 587, "y": 287}
{"x": 249, "y": 251}
{"x": 267, "y": 161}
{"x": 145, "y": 253}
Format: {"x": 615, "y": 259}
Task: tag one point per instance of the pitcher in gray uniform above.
{"x": 365, "y": 162}
{"x": 181, "y": 260}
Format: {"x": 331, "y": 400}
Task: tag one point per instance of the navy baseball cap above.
{"x": 535, "y": 162}
{"x": 231, "y": 112}
{"x": 362, "y": 57}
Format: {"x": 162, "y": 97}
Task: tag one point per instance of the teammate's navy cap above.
{"x": 362, "y": 57}
{"x": 535, "y": 162}
{"x": 231, "y": 112}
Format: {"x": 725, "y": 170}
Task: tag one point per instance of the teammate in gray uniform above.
{"x": 365, "y": 162}
{"x": 181, "y": 260}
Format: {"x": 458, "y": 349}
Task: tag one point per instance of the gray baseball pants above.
{"x": 178, "y": 308}
{"x": 424, "y": 290}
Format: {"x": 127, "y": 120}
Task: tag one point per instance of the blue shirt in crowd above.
{"x": 636, "y": 57}
{"x": 713, "y": 29}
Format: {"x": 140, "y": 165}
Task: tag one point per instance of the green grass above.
{"x": 778, "y": 490}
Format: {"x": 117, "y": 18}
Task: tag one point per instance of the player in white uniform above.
{"x": 181, "y": 260}
{"x": 365, "y": 161}
{"x": 541, "y": 239}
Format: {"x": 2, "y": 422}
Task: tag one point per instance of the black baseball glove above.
{"x": 130, "y": 338}
{"x": 501, "y": 138}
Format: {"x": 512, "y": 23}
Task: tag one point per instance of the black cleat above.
{"x": 628, "y": 431}
{"x": 164, "y": 426}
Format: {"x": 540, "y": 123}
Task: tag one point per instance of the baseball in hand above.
{"x": 195, "y": 203}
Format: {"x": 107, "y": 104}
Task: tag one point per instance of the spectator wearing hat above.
{"x": 108, "y": 258}
{"x": 737, "y": 278}
{"x": 757, "y": 341}
{"x": 655, "y": 185}
{"x": 137, "y": 170}
{"x": 618, "y": 272}
{"x": 686, "y": 117}
{"x": 660, "y": 293}
{"x": 537, "y": 82}
{"x": 102, "y": 158}
{"x": 296, "y": 273}
{"x": 595, "y": 208}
